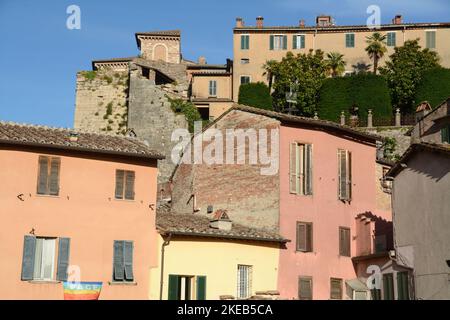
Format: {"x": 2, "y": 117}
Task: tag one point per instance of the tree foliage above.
{"x": 434, "y": 87}
{"x": 306, "y": 72}
{"x": 187, "y": 108}
{"x": 376, "y": 48}
{"x": 255, "y": 95}
{"x": 405, "y": 70}
{"x": 335, "y": 63}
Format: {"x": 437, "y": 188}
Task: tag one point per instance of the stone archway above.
{"x": 160, "y": 52}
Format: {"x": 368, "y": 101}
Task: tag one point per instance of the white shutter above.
{"x": 293, "y": 168}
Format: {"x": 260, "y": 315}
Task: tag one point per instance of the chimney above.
{"x": 398, "y": 19}
{"x": 239, "y": 23}
{"x": 323, "y": 21}
{"x": 422, "y": 110}
{"x": 201, "y": 60}
{"x": 301, "y": 23}
{"x": 221, "y": 221}
{"x": 73, "y": 137}
{"x": 259, "y": 22}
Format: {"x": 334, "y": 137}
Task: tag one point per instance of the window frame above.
{"x": 124, "y": 185}
{"x": 124, "y": 262}
{"x": 302, "y": 42}
{"x": 283, "y": 42}
{"x": 50, "y": 160}
{"x": 310, "y": 280}
{"x": 348, "y": 246}
{"x": 341, "y": 290}
{"x": 245, "y": 44}
{"x": 248, "y": 285}
{"x": 244, "y": 76}
{"x": 352, "y": 40}
{"x": 348, "y": 175}
{"x": 389, "y": 39}
{"x": 303, "y": 174}
{"x": 212, "y": 88}
{"x": 308, "y": 233}
{"x": 41, "y": 258}
{"x": 428, "y": 40}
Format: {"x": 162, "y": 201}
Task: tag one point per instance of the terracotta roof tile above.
{"x": 60, "y": 138}
{"x": 173, "y": 33}
{"x": 198, "y": 225}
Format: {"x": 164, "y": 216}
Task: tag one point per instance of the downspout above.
{"x": 163, "y": 247}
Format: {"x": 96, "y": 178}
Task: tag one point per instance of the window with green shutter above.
{"x": 124, "y": 184}
{"x": 201, "y": 287}
{"x": 388, "y": 286}
{"x": 305, "y": 288}
{"x": 123, "y": 261}
{"x": 245, "y": 42}
{"x": 298, "y": 41}
{"x": 391, "y": 39}
{"x": 174, "y": 287}
{"x": 349, "y": 40}
{"x": 445, "y": 134}
{"x": 402, "y": 286}
{"x": 430, "y": 39}
{"x": 278, "y": 42}
{"x": 48, "y": 175}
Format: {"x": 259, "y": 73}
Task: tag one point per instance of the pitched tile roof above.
{"x": 175, "y": 32}
{"x": 199, "y": 226}
{"x": 413, "y": 149}
{"x": 318, "y": 124}
{"x": 60, "y": 138}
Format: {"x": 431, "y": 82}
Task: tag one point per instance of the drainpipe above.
{"x": 163, "y": 247}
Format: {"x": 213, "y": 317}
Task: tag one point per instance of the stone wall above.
{"x": 165, "y": 48}
{"x": 403, "y": 140}
{"x": 101, "y": 101}
{"x": 251, "y": 199}
{"x": 151, "y": 117}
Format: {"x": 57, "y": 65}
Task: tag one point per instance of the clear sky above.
{"x": 39, "y": 56}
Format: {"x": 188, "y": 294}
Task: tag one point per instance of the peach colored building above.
{"x": 254, "y": 45}
{"x": 78, "y": 207}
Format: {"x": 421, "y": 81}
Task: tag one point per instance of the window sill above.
{"x": 48, "y": 195}
{"x": 125, "y": 200}
{"x": 44, "y": 281}
{"x": 122, "y": 283}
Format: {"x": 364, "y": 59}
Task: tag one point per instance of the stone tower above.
{"x": 160, "y": 45}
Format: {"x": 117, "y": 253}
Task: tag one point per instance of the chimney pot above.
{"x": 239, "y": 23}
{"x": 259, "y": 22}
{"x": 201, "y": 60}
{"x": 398, "y": 19}
{"x": 301, "y": 23}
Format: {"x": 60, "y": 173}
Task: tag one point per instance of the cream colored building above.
{"x": 254, "y": 45}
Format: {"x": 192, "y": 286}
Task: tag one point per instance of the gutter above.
{"x": 163, "y": 247}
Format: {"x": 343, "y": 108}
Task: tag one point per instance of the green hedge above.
{"x": 368, "y": 91}
{"x": 434, "y": 87}
{"x": 255, "y": 95}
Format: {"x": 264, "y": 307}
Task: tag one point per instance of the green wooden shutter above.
{"x": 294, "y": 42}
{"x": 128, "y": 260}
{"x": 173, "y": 287}
{"x": 402, "y": 286}
{"x": 119, "y": 184}
{"x": 118, "y": 273}
{"x": 284, "y": 42}
{"x": 201, "y": 287}
{"x": 242, "y": 42}
{"x": 129, "y": 185}
{"x": 388, "y": 286}
{"x": 55, "y": 165}
{"x": 302, "y": 41}
{"x": 29, "y": 249}
{"x": 445, "y": 134}
{"x": 271, "y": 42}
{"x": 247, "y": 42}
{"x": 42, "y": 175}
{"x": 63, "y": 259}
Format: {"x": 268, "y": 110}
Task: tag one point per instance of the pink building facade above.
{"x": 323, "y": 223}
{"x": 75, "y": 207}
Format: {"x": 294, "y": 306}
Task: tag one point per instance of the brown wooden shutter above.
{"x": 342, "y": 173}
{"x": 305, "y": 288}
{"x": 309, "y": 237}
{"x": 129, "y": 185}
{"x": 344, "y": 241}
{"x": 293, "y": 168}
{"x": 54, "y": 176}
{"x": 349, "y": 175}
{"x": 308, "y": 170}
{"x": 42, "y": 175}
{"x": 301, "y": 236}
{"x": 120, "y": 176}
{"x": 335, "y": 288}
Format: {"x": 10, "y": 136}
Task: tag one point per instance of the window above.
{"x": 123, "y": 261}
{"x": 335, "y": 288}
{"x": 344, "y": 173}
{"x": 245, "y": 61}
{"x": 204, "y": 112}
{"x": 391, "y": 39}
{"x": 376, "y": 294}
{"x": 278, "y": 42}
{"x": 445, "y": 134}
{"x": 244, "y": 281}
{"x": 298, "y": 41}
{"x": 182, "y": 287}
{"x": 402, "y": 286}
{"x": 212, "y": 88}
{"x": 430, "y": 39}
{"x": 350, "y": 40}
{"x": 304, "y": 236}
{"x": 245, "y": 42}
{"x": 38, "y": 262}
{"x": 305, "y": 288}
{"x": 388, "y": 286}
{"x": 124, "y": 184}
{"x": 245, "y": 79}
{"x": 48, "y": 176}
{"x": 300, "y": 167}
{"x": 344, "y": 241}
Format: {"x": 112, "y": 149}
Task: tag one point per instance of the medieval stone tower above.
{"x": 160, "y": 45}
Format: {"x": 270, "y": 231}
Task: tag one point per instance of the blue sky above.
{"x": 39, "y": 56}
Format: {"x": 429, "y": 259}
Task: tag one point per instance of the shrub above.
{"x": 90, "y": 75}
{"x": 188, "y": 109}
{"x": 434, "y": 87}
{"x": 367, "y": 91}
{"x": 255, "y": 95}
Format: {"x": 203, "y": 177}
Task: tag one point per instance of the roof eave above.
{"x": 221, "y": 236}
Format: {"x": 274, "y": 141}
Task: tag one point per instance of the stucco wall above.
{"x": 85, "y": 211}
{"x": 200, "y": 86}
{"x": 421, "y": 205}
{"x": 218, "y": 260}
{"x": 429, "y": 128}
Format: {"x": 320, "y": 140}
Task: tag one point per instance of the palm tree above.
{"x": 270, "y": 68}
{"x": 376, "y": 48}
{"x": 335, "y": 63}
